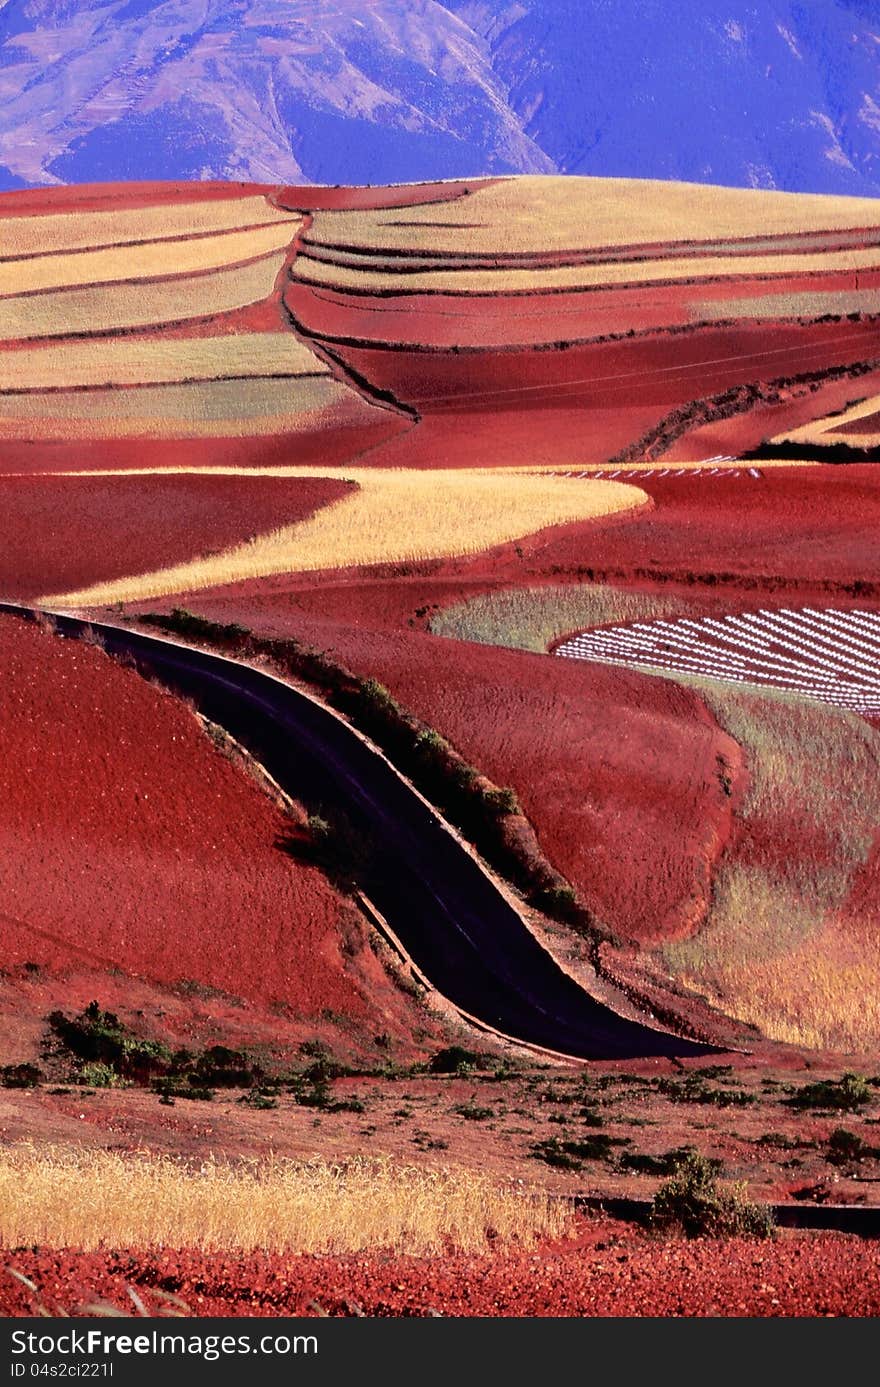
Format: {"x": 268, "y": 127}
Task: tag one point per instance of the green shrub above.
{"x": 97, "y": 1035}
{"x": 20, "y": 1075}
{"x": 571, "y": 1154}
{"x": 847, "y": 1148}
{"x": 692, "y": 1202}
{"x": 665, "y": 1164}
{"x": 694, "y": 1089}
{"x": 169, "y": 1089}
{"x": 472, "y": 1111}
{"x": 96, "y": 1074}
{"x": 847, "y": 1094}
{"x": 455, "y": 1059}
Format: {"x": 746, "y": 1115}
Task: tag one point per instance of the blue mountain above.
{"x": 781, "y": 93}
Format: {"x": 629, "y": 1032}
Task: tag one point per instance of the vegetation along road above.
{"x": 460, "y": 930}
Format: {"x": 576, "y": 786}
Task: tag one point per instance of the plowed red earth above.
{"x": 63, "y": 533}
{"x": 102, "y": 197}
{"x": 504, "y": 320}
{"x": 743, "y": 432}
{"x": 130, "y": 842}
{"x": 320, "y": 447}
{"x": 617, "y": 772}
{"x": 663, "y": 369}
{"x": 605, "y": 1269}
{"x": 868, "y": 423}
{"x": 314, "y": 198}
{"x": 810, "y": 525}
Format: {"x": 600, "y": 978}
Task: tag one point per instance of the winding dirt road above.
{"x": 459, "y": 929}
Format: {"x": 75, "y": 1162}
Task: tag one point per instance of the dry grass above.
{"x": 60, "y": 231}
{"x": 461, "y": 280}
{"x": 394, "y": 517}
{"x": 558, "y": 213}
{"x": 90, "y": 1199}
{"x": 123, "y": 306}
{"x": 532, "y": 618}
{"x": 224, "y": 408}
{"x": 150, "y": 359}
{"x": 157, "y": 259}
{"x": 776, "y": 951}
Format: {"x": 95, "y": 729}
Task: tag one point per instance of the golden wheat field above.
{"x": 151, "y": 303}
{"x": 153, "y": 259}
{"x": 90, "y": 1199}
{"x": 396, "y": 516}
{"x": 536, "y": 279}
{"x": 212, "y": 408}
{"x": 145, "y": 360}
{"x": 544, "y": 214}
{"x": 74, "y": 231}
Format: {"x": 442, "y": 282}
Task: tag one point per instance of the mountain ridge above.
{"x": 784, "y": 95}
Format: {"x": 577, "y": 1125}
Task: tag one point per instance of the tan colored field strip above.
{"x": 72, "y": 231}
{"x": 220, "y": 408}
{"x": 578, "y": 276}
{"x": 79, "y": 311}
{"x": 146, "y": 360}
{"x": 806, "y": 305}
{"x": 394, "y": 517}
{"x": 74, "y": 1197}
{"x": 817, "y": 431}
{"x": 157, "y": 259}
{"x": 560, "y": 213}
{"x": 120, "y": 306}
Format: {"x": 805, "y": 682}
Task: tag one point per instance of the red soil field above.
{"x": 315, "y": 198}
{"x": 617, "y": 772}
{"x": 130, "y": 842}
{"x": 103, "y": 197}
{"x": 868, "y": 423}
{"x": 364, "y": 429}
{"x": 808, "y": 525}
{"x": 64, "y": 533}
{"x": 797, "y": 406}
{"x": 503, "y": 320}
{"x": 606, "y": 1268}
{"x": 559, "y": 436}
{"x": 661, "y": 369}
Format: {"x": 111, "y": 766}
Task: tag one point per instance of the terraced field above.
{"x": 590, "y": 293}
{"x": 141, "y": 319}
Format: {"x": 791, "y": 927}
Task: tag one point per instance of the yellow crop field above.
{"x": 393, "y": 517}
{"x": 540, "y": 214}
{"x": 146, "y": 360}
{"x": 215, "y": 408}
{"x": 70, "y": 1197}
{"x": 822, "y": 430}
{"x": 156, "y": 259}
{"x": 72, "y": 231}
{"x": 538, "y": 278}
{"x": 808, "y": 304}
{"x": 123, "y": 306}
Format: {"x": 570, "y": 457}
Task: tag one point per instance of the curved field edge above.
{"x": 396, "y": 516}
{"x": 779, "y": 948}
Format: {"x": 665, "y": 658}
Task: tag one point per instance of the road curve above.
{"x": 459, "y": 929}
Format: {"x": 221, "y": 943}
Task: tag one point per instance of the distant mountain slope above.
{"x": 783, "y": 94}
